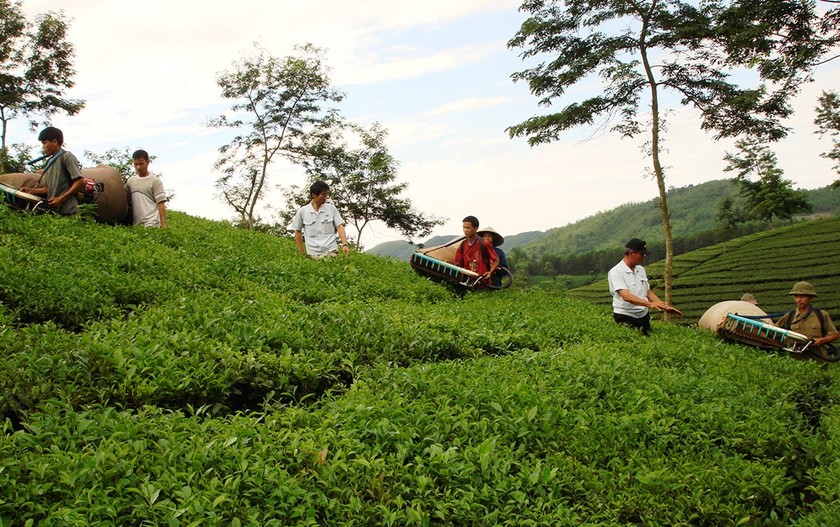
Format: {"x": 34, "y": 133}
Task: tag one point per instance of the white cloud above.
{"x": 468, "y": 105}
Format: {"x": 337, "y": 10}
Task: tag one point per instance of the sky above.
{"x": 435, "y": 74}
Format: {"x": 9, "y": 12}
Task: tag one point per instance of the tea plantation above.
{"x": 205, "y": 375}
{"x": 766, "y": 264}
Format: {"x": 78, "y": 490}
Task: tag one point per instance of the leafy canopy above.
{"x": 277, "y": 102}
{"x": 362, "y": 179}
{"x": 643, "y": 48}
{"x": 828, "y": 123}
{"x": 36, "y": 67}
{"x": 770, "y": 195}
{"x": 694, "y": 50}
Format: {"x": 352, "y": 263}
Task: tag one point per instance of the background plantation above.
{"x": 766, "y": 264}
{"x": 206, "y": 375}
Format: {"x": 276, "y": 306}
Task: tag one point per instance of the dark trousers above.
{"x": 642, "y": 323}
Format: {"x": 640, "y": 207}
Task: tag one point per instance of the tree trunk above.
{"x": 657, "y": 166}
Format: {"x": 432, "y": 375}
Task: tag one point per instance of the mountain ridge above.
{"x": 693, "y": 209}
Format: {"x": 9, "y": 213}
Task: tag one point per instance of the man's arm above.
{"x": 831, "y": 333}
{"x": 41, "y": 190}
{"x": 656, "y": 303}
{"x": 828, "y": 339}
{"x": 651, "y": 302}
{"x": 345, "y": 247}
{"x": 299, "y": 242}
{"x": 161, "y": 207}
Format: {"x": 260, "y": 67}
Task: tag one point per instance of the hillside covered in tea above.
{"x": 205, "y": 375}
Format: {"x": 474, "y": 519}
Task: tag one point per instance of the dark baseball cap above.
{"x": 637, "y": 245}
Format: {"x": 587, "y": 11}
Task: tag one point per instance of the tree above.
{"x": 15, "y": 157}
{"x": 35, "y": 68}
{"x": 277, "y": 103}
{"x": 828, "y": 123}
{"x": 642, "y": 48}
{"x": 730, "y": 214}
{"x": 771, "y": 195}
{"x": 362, "y": 179}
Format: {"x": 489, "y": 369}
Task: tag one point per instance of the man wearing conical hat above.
{"x": 812, "y": 322}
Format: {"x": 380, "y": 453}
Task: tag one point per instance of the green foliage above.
{"x": 771, "y": 195}
{"x": 276, "y": 103}
{"x": 207, "y": 375}
{"x": 14, "y": 158}
{"x": 362, "y": 180}
{"x": 729, "y": 214}
{"x": 828, "y": 123}
{"x": 36, "y": 67}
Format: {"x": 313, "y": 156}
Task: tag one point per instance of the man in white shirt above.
{"x": 632, "y": 296}
{"x": 145, "y": 194}
{"x": 319, "y": 223}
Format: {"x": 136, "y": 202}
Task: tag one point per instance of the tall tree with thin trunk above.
{"x": 642, "y": 49}
{"x": 277, "y": 102}
{"x": 36, "y": 69}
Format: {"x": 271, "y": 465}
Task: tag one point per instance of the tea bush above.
{"x": 205, "y": 375}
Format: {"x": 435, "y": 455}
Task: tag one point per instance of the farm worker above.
{"x": 320, "y": 224}
{"x": 632, "y": 296}
{"x": 748, "y": 297}
{"x": 475, "y": 253}
{"x": 812, "y": 322}
{"x": 62, "y": 175}
{"x": 145, "y": 193}
{"x": 495, "y": 239}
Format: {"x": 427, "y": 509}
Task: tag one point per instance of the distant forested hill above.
{"x": 693, "y": 209}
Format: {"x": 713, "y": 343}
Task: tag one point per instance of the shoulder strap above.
{"x": 821, "y": 318}
{"x": 460, "y": 251}
{"x": 53, "y": 159}
{"x": 484, "y": 254}
{"x": 787, "y": 318}
{"x": 50, "y": 161}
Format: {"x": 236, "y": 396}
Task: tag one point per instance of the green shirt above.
{"x": 61, "y": 172}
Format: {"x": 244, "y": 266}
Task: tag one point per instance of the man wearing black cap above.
{"x": 632, "y": 296}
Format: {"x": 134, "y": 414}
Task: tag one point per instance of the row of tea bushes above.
{"x": 215, "y": 377}
{"x": 194, "y": 337}
{"x": 238, "y": 350}
{"x": 676, "y": 430}
{"x": 72, "y": 272}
